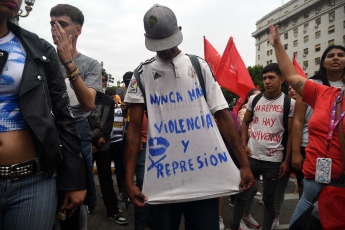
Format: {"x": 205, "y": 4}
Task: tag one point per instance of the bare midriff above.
{"x": 16, "y": 147}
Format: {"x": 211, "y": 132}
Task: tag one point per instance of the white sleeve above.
{"x": 134, "y": 94}
{"x": 214, "y": 94}
{"x": 292, "y": 108}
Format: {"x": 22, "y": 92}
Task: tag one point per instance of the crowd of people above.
{"x": 177, "y": 148}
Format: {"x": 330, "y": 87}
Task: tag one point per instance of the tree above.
{"x": 256, "y": 74}
{"x": 230, "y": 97}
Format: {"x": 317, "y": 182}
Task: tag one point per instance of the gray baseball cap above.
{"x": 161, "y": 29}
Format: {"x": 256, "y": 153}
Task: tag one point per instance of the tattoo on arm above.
{"x": 299, "y": 84}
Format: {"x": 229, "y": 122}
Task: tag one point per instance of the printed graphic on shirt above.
{"x": 10, "y": 115}
{"x": 132, "y": 88}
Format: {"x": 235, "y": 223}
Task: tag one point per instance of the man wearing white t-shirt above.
{"x": 264, "y": 142}
{"x": 187, "y": 165}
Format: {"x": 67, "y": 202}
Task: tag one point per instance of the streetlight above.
{"x": 28, "y": 8}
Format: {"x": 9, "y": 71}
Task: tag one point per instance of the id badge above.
{"x": 323, "y": 170}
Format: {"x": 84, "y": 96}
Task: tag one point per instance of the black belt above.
{"x": 17, "y": 171}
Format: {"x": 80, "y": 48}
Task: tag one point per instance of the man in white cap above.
{"x": 187, "y": 165}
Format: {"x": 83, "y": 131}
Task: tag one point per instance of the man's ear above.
{"x": 78, "y": 31}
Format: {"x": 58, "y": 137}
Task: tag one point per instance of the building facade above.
{"x": 306, "y": 27}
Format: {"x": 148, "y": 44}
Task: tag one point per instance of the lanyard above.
{"x": 332, "y": 122}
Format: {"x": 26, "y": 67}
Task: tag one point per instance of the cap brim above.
{"x": 165, "y": 43}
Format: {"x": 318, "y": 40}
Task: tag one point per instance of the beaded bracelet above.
{"x": 74, "y": 77}
{"x": 74, "y": 72}
{"x": 68, "y": 62}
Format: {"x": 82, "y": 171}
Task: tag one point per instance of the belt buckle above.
{"x": 13, "y": 174}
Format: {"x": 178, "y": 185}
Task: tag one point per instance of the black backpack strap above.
{"x": 255, "y": 101}
{"x": 286, "y": 108}
{"x": 197, "y": 68}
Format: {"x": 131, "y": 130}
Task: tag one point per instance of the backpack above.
{"x": 196, "y": 66}
{"x": 286, "y": 110}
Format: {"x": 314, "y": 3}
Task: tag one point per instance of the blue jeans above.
{"x": 270, "y": 173}
{"x": 84, "y": 132}
{"x": 201, "y": 215}
{"x": 28, "y": 203}
{"x": 311, "y": 192}
{"x": 140, "y": 214}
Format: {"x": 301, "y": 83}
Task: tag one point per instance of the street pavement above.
{"x": 99, "y": 221}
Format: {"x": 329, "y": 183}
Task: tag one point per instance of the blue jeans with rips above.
{"x": 28, "y": 203}
{"x": 84, "y": 132}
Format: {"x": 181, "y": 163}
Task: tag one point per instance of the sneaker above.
{"x": 258, "y": 193}
{"x": 275, "y": 223}
{"x": 221, "y": 224}
{"x": 250, "y": 221}
{"x": 243, "y": 226}
{"x": 118, "y": 218}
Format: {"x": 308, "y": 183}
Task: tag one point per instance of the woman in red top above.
{"x": 323, "y": 100}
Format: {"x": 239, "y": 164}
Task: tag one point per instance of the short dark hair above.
{"x": 70, "y": 11}
{"x": 273, "y": 67}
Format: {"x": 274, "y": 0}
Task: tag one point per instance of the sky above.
{"x": 113, "y": 30}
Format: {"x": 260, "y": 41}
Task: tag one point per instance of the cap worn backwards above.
{"x": 161, "y": 29}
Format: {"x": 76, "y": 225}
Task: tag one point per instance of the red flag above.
{"x": 211, "y": 55}
{"x": 232, "y": 73}
{"x": 238, "y": 105}
{"x": 298, "y": 68}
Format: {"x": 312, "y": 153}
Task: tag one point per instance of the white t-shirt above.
{"x": 186, "y": 158}
{"x": 268, "y": 127}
